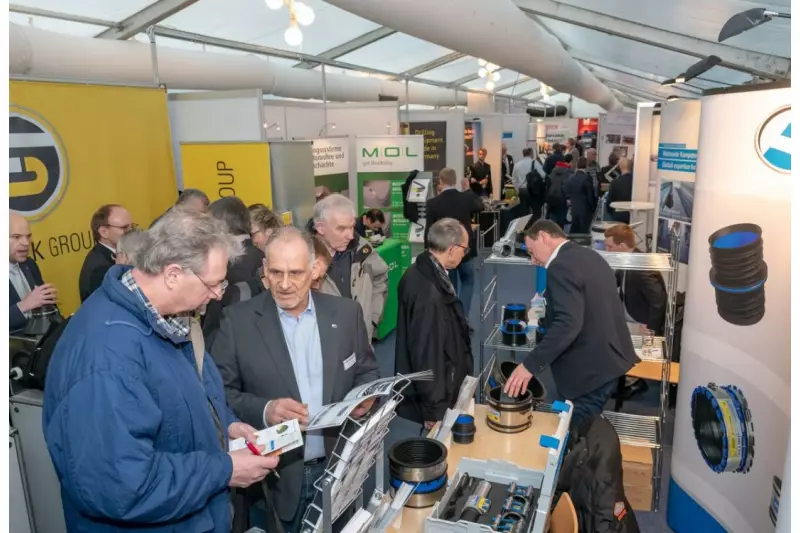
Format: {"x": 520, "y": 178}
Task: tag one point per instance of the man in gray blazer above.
{"x": 287, "y": 352}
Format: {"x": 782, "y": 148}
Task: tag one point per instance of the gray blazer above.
{"x": 256, "y": 367}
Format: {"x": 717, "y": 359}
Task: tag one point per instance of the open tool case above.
{"x": 515, "y": 500}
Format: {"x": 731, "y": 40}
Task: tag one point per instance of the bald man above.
{"x": 621, "y": 190}
{"x": 26, "y": 288}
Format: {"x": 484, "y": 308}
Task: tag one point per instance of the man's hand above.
{"x": 429, "y": 425}
{"x": 249, "y": 468}
{"x": 39, "y": 296}
{"x": 473, "y": 180}
{"x": 239, "y": 430}
{"x": 284, "y": 409}
{"x": 518, "y": 381}
{"x": 363, "y": 408}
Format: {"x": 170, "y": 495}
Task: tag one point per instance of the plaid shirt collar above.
{"x": 175, "y": 326}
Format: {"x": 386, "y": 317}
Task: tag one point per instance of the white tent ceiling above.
{"x": 625, "y": 63}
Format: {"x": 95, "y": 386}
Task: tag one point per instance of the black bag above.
{"x": 556, "y": 197}
{"x": 35, "y": 371}
{"x": 535, "y": 185}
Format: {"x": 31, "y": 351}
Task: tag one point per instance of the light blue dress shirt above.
{"x": 302, "y": 339}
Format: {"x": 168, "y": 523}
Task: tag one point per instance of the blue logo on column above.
{"x": 774, "y": 140}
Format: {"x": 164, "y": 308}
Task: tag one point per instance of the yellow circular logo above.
{"x": 38, "y": 170}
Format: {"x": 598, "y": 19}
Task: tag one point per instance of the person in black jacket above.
{"x": 556, "y": 196}
{"x": 26, "y": 288}
{"x": 581, "y": 195}
{"x": 602, "y": 177}
{"x": 480, "y": 180}
{"x": 644, "y": 294}
{"x": 621, "y": 190}
{"x": 450, "y": 203}
{"x": 586, "y": 342}
{"x": 432, "y": 330}
{"x": 109, "y": 224}
{"x": 552, "y": 159}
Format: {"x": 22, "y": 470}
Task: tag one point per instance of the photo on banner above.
{"x": 74, "y": 148}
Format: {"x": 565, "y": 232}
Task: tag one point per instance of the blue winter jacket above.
{"x": 128, "y": 425}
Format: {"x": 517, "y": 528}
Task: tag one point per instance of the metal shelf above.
{"x": 512, "y": 260}
{"x": 495, "y": 340}
{"x": 635, "y": 430}
{"x": 637, "y": 261}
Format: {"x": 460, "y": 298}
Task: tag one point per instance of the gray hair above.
{"x": 445, "y": 233}
{"x": 334, "y": 202}
{"x": 286, "y": 234}
{"x": 131, "y": 244}
{"x": 188, "y": 194}
{"x": 185, "y": 238}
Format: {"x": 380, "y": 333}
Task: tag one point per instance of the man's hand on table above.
{"x": 429, "y": 425}
{"x": 279, "y": 411}
{"x": 518, "y": 381}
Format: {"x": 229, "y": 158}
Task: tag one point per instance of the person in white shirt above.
{"x": 519, "y": 178}
{"x": 26, "y": 288}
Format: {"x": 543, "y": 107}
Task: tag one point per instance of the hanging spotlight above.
{"x": 482, "y": 72}
{"x": 490, "y": 85}
{"x": 304, "y": 14}
{"x": 491, "y": 67}
{"x": 274, "y": 4}
{"x": 747, "y": 20}
{"x": 495, "y": 76}
{"x": 695, "y": 70}
{"x": 293, "y": 35}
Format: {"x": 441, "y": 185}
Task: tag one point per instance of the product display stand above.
{"x": 633, "y": 430}
{"x": 358, "y": 448}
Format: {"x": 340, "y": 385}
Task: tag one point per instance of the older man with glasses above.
{"x": 109, "y": 223}
{"x": 135, "y": 417}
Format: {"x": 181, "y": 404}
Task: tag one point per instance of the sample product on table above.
{"x": 738, "y": 273}
{"x": 422, "y": 461}
{"x": 723, "y": 428}
{"x": 506, "y": 414}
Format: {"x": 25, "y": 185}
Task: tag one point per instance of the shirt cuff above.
{"x": 264, "y": 415}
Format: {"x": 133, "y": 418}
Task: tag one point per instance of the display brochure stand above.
{"x": 633, "y": 430}
{"x": 358, "y": 448}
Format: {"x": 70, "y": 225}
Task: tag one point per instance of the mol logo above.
{"x": 38, "y": 171}
{"x": 774, "y": 140}
{"x": 388, "y": 152}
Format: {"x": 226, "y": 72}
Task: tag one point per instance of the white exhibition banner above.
{"x": 390, "y": 153}
{"x": 733, "y": 407}
{"x": 616, "y": 132}
{"x": 331, "y": 155}
{"x": 556, "y": 130}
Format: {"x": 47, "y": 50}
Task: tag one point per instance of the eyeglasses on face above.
{"x": 222, "y": 286}
{"x": 130, "y": 227}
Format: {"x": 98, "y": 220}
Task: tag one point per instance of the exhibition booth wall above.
{"x": 733, "y": 407}
{"x": 444, "y": 124}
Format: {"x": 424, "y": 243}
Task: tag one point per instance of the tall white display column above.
{"x": 732, "y": 419}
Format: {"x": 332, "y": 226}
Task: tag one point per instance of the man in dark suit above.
{"x": 26, "y": 288}
{"x": 552, "y": 159}
{"x": 451, "y": 203}
{"x": 480, "y": 179}
{"x": 621, "y": 190}
{"x": 109, "y": 224}
{"x": 284, "y": 354}
{"x": 506, "y": 164}
{"x": 581, "y": 196}
{"x": 586, "y": 343}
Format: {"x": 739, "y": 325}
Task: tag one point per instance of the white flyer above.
{"x": 276, "y": 440}
{"x": 333, "y": 414}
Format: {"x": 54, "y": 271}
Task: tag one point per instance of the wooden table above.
{"x": 521, "y": 449}
{"x": 652, "y": 370}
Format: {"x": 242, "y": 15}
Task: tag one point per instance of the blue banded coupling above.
{"x": 508, "y": 523}
{"x": 421, "y": 462}
{"x": 522, "y": 493}
{"x": 723, "y": 428}
{"x": 516, "y": 506}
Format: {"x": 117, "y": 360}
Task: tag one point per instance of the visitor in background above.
{"x": 604, "y": 178}
{"x": 451, "y": 203}
{"x": 109, "y": 223}
{"x": 134, "y": 414}
{"x": 581, "y": 196}
{"x": 552, "y": 159}
{"x": 433, "y": 332}
{"x": 26, "y": 288}
{"x": 506, "y": 164}
{"x": 357, "y": 270}
{"x": 129, "y": 246}
{"x": 263, "y": 221}
{"x": 322, "y": 261}
{"x": 556, "y": 186}
{"x": 193, "y": 199}
{"x": 593, "y": 169}
{"x": 572, "y": 149}
{"x": 621, "y": 190}
{"x": 480, "y": 180}
{"x": 519, "y": 178}
{"x": 373, "y": 220}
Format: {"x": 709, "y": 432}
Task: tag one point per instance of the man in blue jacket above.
{"x": 136, "y": 424}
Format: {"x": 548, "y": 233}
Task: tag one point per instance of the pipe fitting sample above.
{"x": 514, "y": 332}
{"x": 738, "y": 273}
{"x": 723, "y": 428}
{"x": 464, "y": 429}
{"x": 422, "y": 462}
{"x": 509, "y": 415}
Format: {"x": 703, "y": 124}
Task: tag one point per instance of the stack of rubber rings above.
{"x": 515, "y": 510}
{"x": 421, "y": 462}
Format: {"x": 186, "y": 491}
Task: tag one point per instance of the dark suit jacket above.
{"x": 580, "y": 191}
{"x": 645, "y": 297}
{"x": 458, "y": 205}
{"x": 479, "y": 172}
{"x": 97, "y": 262}
{"x": 32, "y": 273}
{"x": 550, "y": 162}
{"x": 256, "y": 367}
{"x": 620, "y": 190}
{"x": 587, "y": 342}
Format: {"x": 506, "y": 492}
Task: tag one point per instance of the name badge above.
{"x": 350, "y": 361}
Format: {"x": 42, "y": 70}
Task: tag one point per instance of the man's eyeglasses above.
{"x": 130, "y": 227}
{"x": 466, "y": 248}
{"x": 222, "y": 286}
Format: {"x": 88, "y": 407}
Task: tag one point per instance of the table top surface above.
{"x": 633, "y": 206}
{"x": 521, "y": 449}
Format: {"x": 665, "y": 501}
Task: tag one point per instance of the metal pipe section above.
{"x": 42, "y": 54}
{"x": 505, "y": 36}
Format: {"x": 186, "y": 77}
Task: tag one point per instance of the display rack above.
{"x": 633, "y": 430}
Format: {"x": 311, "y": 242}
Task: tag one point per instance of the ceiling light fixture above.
{"x": 300, "y": 14}
{"x": 747, "y": 20}
{"x": 702, "y": 66}
{"x": 490, "y": 72}
{"x": 293, "y": 35}
{"x": 274, "y": 4}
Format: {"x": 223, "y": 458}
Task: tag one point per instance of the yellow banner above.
{"x": 74, "y": 148}
{"x": 228, "y": 169}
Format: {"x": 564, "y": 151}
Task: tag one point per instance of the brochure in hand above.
{"x": 276, "y": 440}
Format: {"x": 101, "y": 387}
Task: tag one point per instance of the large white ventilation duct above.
{"x": 494, "y": 30}
{"x": 43, "y": 54}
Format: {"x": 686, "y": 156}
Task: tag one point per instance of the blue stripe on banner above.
{"x": 788, "y": 131}
{"x": 779, "y": 159}
{"x": 671, "y": 145}
{"x": 684, "y": 514}
{"x": 541, "y": 279}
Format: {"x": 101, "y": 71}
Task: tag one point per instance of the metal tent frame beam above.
{"x": 79, "y": 19}
{"x": 758, "y": 64}
{"x": 150, "y": 15}
{"x": 646, "y": 76}
{"x": 431, "y": 65}
{"x": 650, "y": 86}
{"x": 351, "y": 46}
{"x": 509, "y": 85}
